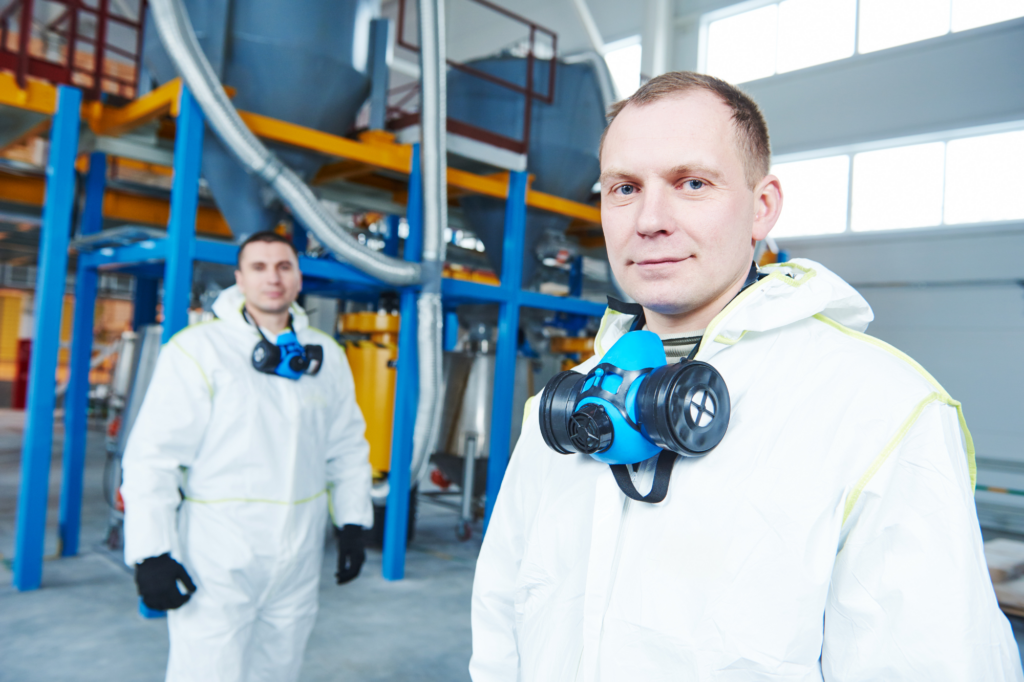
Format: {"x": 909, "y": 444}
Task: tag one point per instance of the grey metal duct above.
{"x": 179, "y": 39}
{"x": 434, "y": 163}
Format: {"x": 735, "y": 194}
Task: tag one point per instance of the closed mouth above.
{"x": 659, "y": 261}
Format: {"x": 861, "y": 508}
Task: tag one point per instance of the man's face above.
{"x": 269, "y": 276}
{"x": 679, "y": 218}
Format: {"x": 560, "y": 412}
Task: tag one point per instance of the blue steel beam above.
{"x": 508, "y": 333}
{"x": 407, "y": 391}
{"x": 181, "y": 226}
{"x": 52, "y": 273}
{"x": 76, "y": 399}
{"x": 561, "y": 304}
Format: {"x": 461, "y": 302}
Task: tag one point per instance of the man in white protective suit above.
{"x": 248, "y": 438}
{"x": 831, "y": 535}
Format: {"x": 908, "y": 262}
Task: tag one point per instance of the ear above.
{"x": 767, "y": 206}
{"x": 238, "y": 278}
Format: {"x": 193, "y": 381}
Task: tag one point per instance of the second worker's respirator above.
{"x": 633, "y": 405}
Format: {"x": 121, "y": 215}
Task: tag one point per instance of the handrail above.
{"x": 528, "y": 92}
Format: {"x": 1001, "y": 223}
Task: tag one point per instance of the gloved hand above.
{"x": 351, "y": 552}
{"x": 157, "y": 578}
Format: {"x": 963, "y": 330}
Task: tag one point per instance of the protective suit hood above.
{"x": 228, "y": 307}
{"x": 792, "y": 291}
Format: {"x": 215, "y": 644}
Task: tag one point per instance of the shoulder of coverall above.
{"x": 788, "y": 294}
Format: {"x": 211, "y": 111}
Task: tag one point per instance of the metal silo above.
{"x": 302, "y": 61}
{"x": 563, "y": 139}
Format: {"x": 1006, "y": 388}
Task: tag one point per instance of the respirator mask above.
{"x": 633, "y": 406}
{"x": 287, "y": 358}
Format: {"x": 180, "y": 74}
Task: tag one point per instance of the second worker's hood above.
{"x": 792, "y": 291}
{"x": 228, "y": 307}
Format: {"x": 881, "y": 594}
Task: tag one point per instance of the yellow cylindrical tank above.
{"x": 581, "y": 348}
{"x": 373, "y": 371}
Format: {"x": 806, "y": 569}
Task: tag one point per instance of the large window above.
{"x": 623, "y": 60}
{"x": 957, "y": 178}
{"x": 761, "y": 38}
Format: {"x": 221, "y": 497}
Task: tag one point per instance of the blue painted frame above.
{"x": 407, "y": 391}
{"x": 76, "y": 399}
{"x": 50, "y": 284}
{"x": 181, "y": 226}
{"x": 175, "y": 255}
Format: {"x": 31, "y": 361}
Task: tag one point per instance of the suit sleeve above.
{"x": 911, "y": 597}
{"x": 166, "y": 436}
{"x": 495, "y": 649}
{"x": 348, "y": 455}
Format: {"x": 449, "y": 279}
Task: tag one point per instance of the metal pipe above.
{"x": 468, "y": 478}
{"x": 433, "y": 119}
{"x": 179, "y": 39}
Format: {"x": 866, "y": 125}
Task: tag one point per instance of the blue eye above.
{"x": 694, "y": 184}
{"x": 627, "y": 189}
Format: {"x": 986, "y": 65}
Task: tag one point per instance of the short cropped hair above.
{"x": 751, "y": 130}
{"x": 264, "y": 236}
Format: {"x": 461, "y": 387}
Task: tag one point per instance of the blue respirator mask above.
{"x": 287, "y": 358}
{"x": 633, "y": 406}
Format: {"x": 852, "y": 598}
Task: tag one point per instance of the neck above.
{"x": 275, "y": 323}
{"x": 669, "y": 325}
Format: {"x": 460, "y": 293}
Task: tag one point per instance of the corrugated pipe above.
{"x": 434, "y": 162}
{"x": 178, "y": 37}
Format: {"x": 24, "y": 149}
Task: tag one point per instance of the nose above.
{"x": 655, "y": 216}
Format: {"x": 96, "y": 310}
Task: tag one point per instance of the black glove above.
{"x": 157, "y": 578}
{"x": 351, "y": 552}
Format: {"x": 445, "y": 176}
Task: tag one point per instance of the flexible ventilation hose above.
{"x": 179, "y": 39}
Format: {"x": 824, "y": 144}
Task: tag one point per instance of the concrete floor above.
{"x": 83, "y": 623}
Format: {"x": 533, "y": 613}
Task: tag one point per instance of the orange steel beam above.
{"x": 375, "y": 150}
{"x": 117, "y": 205}
{"x": 37, "y": 96}
{"x": 106, "y": 120}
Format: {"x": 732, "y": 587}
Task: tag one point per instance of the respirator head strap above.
{"x": 662, "y": 475}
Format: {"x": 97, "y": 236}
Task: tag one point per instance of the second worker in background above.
{"x": 249, "y": 436}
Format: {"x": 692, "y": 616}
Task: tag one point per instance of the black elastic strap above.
{"x": 246, "y": 317}
{"x": 662, "y": 474}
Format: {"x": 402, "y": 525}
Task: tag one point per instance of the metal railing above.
{"x": 95, "y": 45}
{"x": 400, "y": 117}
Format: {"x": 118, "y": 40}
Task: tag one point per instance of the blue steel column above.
{"x": 391, "y": 241}
{"x": 76, "y": 399}
{"x": 508, "y": 333}
{"x": 144, "y": 302}
{"x": 181, "y": 227}
{"x": 53, "y": 267}
{"x": 407, "y": 391}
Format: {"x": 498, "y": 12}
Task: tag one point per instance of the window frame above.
{"x": 852, "y": 150}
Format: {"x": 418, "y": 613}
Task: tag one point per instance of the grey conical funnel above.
{"x": 301, "y": 61}
{"x": 563, "y": 143}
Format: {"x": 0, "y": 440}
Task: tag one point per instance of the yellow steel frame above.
{"x": 374, "y": 150}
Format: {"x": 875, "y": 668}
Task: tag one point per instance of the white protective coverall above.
{"x": 260, "y": 459}
{"x": 832, "y": 534}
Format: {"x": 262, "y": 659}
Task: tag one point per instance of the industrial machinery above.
{"x": 371, "y": 347}
{"x": 460, "y": 455}
{"x": 275, "y": 55}
{"x": 575, "y": 349}
{"x": 136, "y": 361}
{"x": 563, "y": 137}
